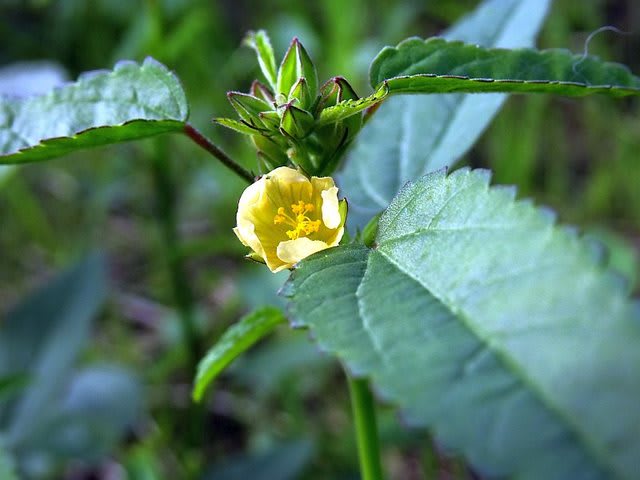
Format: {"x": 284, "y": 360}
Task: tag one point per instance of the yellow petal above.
{"x": 322, "y": 183}
{"x": 330, "y": 208}
{"x": 286, "y": 175}
{"x": 245, "y": 231}
{"x": 292, "y": 251}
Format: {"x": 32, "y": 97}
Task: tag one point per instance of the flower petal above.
{"x": 292, "y": 251}
{"x": 330, "y": 208}
{"x": 286, "y": 175}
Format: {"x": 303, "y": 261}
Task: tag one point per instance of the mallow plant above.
{"x": 471, "y": 311}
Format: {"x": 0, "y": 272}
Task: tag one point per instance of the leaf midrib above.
{"x": 596, "y": 451}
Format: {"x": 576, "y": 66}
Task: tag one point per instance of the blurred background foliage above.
{"x": 110, "y": 396}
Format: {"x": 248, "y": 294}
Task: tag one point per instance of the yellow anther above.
{"x": 301, "y": 223}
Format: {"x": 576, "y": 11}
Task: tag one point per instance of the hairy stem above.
{"x": 366, "y": 429}
{"x": 227, "y": 161}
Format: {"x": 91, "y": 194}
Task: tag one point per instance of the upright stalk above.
{"x": 180, "y": 285}
{"x": 364, "y": 415}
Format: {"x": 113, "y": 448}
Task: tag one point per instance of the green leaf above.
{"x": 41, "y": 338}
{"x": 438, "y": 66}
{"x": 236, "y": 340}
{"x": 411, "y": 135}
{"x": 132, "y": 101}
{"x": 260, "y": 43}
{"x": 487, "y": 323}
{"x": 347, "y": 108}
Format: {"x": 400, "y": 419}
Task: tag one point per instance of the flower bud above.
{"x": 248, "y": 107}
{"x": 296, "y": 122}
{"x": 295, "y": 64}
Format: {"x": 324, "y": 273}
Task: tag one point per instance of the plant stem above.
{"x": 366, "y": 429}
{"x": 166, "y": 212}
{"x": 227, "y": 161}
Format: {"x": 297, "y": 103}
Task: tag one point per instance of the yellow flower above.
{"x": 285, "y": 217}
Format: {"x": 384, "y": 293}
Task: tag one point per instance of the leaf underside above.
{"x": 411, "y": 135}
{"x": 482, "y": 320}
{"x": 436, "y": 65}
{"x": 131, "y": 102}
{"x": 236, "y": 340}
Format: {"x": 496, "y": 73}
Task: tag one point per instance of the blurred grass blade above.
{"x": 439, "y": 66}
{"x": 11, "y": 384}
{"x": 486, "y": 322}
{"x": 132, "y": 101}
{"x": 284, "y": 461}
{"x": 7, "y": 469}
{"x": 237, "y": 339}
{"x": 41, "y": 338}
{"x": 410, "y": 135}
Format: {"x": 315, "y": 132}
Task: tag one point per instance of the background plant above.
{"x": 55, "y": 210}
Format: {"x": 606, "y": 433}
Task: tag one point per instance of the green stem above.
{"x": 364, "y": 415}
{"x": 227, "y": 161}
{"x": 166, "y": 212}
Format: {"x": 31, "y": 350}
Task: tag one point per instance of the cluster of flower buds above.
{"x": 290, "y": 119}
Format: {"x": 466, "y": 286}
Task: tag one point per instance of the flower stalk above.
{"x": 364, "y": 417}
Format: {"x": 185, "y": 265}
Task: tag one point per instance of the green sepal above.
{"x": 300, "y": 92}
{"x": 270, "y": 119}
{"x": 295, "y": 64}
{"x": 265, "y": 164}
{"x": 248, "y": 107}
{"x": 306, "y": 68}
{"x": 296, "y": 122}
{"x": 254, "y": 257}
{"x": 287, "y": 73}
{"x": 271, "y": 149}
{"x": 259, "y": 41}
{"x": 237, "y": 126}
{"x": 261, "y": 91}
{"x": 370, "y": 231}
{"x": 336, "y": 90}
{"x": 343, "y": 209}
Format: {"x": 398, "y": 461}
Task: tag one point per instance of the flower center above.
{"x": 301, "y": 223}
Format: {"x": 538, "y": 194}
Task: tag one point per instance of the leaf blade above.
{"x": 130, "y": 102}
{"x": 237, "y": 339}
{"x": 458, "y": 318}
{"x": 413, "y": 135}
{"x": 436, "y": 65}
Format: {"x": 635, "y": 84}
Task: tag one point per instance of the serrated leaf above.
{"x": 484, "y": 321}
{"x": 347, "y": 108}
{"x": 411, "y": 135}
{"x": 237, "y": 339}
{"x": 60, "y": 313}
{"x": 132, "y": 101}
{"x": 439, "y": 66}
